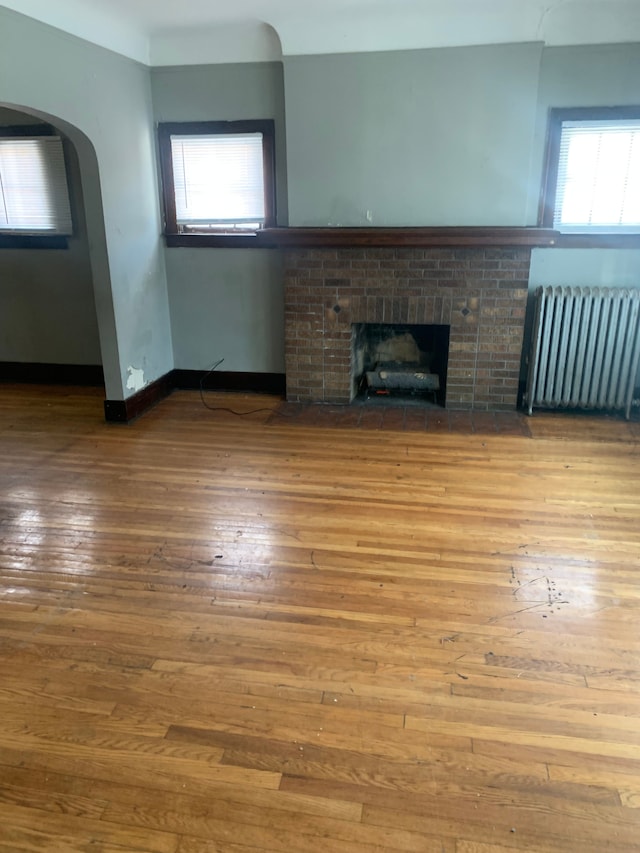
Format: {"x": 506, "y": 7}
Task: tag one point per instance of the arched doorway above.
{"x": 48, "y": 320}
{"x": 56, "y": 316}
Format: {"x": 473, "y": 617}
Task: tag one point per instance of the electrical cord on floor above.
{"x": 223, "y": 408}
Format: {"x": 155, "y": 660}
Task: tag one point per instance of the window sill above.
{"x": 597, "y": 241}
{"x": 214, "y": 241}
{"x": 33, "y": 241}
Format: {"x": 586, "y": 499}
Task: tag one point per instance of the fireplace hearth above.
{"x": 479, "y": 294}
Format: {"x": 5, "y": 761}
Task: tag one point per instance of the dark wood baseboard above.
{"x": 230, "y": 380}
{"x": 125, "y": 411}
{"x": 51, "y": 374}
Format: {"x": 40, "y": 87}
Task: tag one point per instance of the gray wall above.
{"x": 601, "y": 267}
{"x": 593, "y": 76}
{"x": 450, "y": 136}
{"x": 47, "y": 309}
{"x": 226, "y": 303}
{"x": 424, "y": 137}
{"x": 597, "y": 75}
{"x": 103, "y": 103}
{"x": 438, "y": 137}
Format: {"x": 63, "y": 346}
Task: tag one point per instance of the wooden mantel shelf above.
{"x": 432, "y": 237}
{"x": 406, "y": 237}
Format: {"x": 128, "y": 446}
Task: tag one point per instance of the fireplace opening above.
{"x": 400, "y": 362}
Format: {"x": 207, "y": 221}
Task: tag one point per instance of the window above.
{"x": 218, "y": 177}
{"x": 34, "y": 197}
{"x": 592, "y": 183}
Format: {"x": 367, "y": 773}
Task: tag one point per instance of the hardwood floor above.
{"x": 225, "y": 634}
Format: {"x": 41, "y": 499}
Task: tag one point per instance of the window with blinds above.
{"x": 217, "y": 176}
{"x": 219, "y": 180}
{"x": 34, "y": 197}
{"x": 592, "y": 181}
{"x": 598, "y": 176}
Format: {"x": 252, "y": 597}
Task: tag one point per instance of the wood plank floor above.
{"x": 225, "y": 634}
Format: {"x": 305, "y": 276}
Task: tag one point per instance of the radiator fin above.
{"x": 585, "y": 348}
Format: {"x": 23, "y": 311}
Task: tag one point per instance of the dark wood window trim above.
{"x": 598, "y": 241}
{"x": 32, "y": 241}
{"x": 218, "y": 239}
{"x": 558, "y": 115}
{"x": 215, "y": 241}
{"x": 27, "y": 130}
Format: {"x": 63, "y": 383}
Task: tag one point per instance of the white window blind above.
{"x": 598, "y": 186}
{"x": 33, "y": 186}
{"x": 219, "y": 180}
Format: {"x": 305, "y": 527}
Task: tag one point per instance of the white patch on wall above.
{"x": 136, "y": 378}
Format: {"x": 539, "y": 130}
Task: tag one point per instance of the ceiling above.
{"x": 159, "y": 32}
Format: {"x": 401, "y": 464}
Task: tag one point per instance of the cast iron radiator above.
{"x": 585, "y": 348}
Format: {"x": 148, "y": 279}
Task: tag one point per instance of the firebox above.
{"x": 400, "y": 362}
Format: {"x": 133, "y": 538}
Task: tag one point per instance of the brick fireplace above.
{"x": 479, "y": 292}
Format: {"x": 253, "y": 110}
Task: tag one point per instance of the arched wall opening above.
{"x": 56, "y": 305}
{"x": 47, "y": 305}
{"x": 102, "y": 102}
